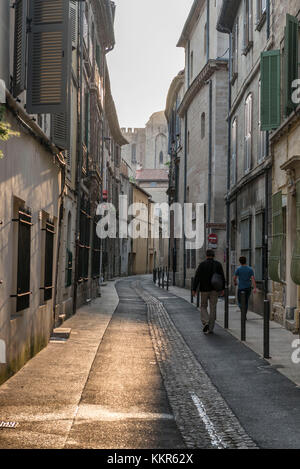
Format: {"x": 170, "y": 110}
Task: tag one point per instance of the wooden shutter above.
{"x": 49, "y": 58}
{"x": 270, "y": 90}
{"x": 290, "y": 60}
{"x": 276, "y": 249}
{"x": 60, "y": 130}
{"x": 19, "y": 78}
{"x": 295, "y": 265}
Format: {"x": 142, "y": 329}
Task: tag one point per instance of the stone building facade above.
{"x": 249, "y": 194}
{"x": 201, "y": 159}
{"x": 55, "y": 173}
{"x": 285, "y": 150}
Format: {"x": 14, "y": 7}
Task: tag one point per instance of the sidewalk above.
{"x": 281, "y": 340}
{"x": 43, "y": 397}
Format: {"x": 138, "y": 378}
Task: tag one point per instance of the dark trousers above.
{"x": 248, "y": 294}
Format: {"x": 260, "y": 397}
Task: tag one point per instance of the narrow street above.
{"x": 137, "y": 372}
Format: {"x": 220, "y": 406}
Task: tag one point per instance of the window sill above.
{"x": 248, "y": 48}
{"x": 261, "y": 22}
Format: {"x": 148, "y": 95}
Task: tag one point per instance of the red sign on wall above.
{"x": 213, "y": 241}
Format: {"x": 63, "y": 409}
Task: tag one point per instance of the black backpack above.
{"x": 217, "y": 280}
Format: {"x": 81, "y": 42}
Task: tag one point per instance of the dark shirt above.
{"x": 204, "y": 274}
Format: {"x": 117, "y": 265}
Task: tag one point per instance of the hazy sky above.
{"x": 145, "y": 58}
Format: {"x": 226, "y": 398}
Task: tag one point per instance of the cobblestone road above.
{"x": 202, "y": 415}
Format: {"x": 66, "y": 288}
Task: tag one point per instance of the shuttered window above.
{"x": 270, "y": 90}
{"x": 276, "y": 249}
{"x": 290, "y": 60}
{"x": 24, "y": 258}
{"x": 19, "y": 78}
{"x": 295, "y": 266}
{"x": 49, "y": 251}
{"x": 49, "y": 58}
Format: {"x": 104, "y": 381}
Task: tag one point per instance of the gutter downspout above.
{"x": 210, "y": 154}
{"x": 185, "y": 193}
{"x": 59, "y": 236}
{"x": 207, "y": 30}
{"x": 228, "y": 227}
{"x": 266, "y": 227}
{"x": 79, "y": 165}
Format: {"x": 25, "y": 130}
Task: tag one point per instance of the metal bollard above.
{"x": 192, "y": 283}
{"x": 159, "y": 277}
{"x": 226, "y": 315}
{"x": 267, "y": 329}
{"x": 168, "y": 279}
{"x": 163, "y": 277}
{"x": 243, "y": 316}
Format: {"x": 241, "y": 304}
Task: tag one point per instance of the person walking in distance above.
{"x": 210, "y": 280}
{"x": 244, "y": 277}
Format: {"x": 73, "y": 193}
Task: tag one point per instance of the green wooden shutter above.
{"x": 270, "y": 90}
{"x": 19, "y": 78}
{"x": 49, "y": 58}
{"x": 276, "y": 249}
{"x": 290, "y": 60}
{"x": 295, "y": 266}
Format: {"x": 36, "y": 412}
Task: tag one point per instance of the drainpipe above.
{"x": 228, "y": 227}
{"x": 80, "y": 157}
{"x": 59, "y": 236}
{"x": 266, "y": 227}
{"x": 210, "y": 153}
{"x": 207, "y": 30}
{"x": 185, "y": 193}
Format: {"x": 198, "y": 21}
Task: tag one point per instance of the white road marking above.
{"x": 216, "y": 440}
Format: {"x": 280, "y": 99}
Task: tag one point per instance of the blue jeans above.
{"x": 248, "y": 294}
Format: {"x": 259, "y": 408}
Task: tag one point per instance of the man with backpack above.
{"x": 210, "y": 279}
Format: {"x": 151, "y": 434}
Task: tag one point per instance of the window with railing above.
{"x": 23, "y": 293}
